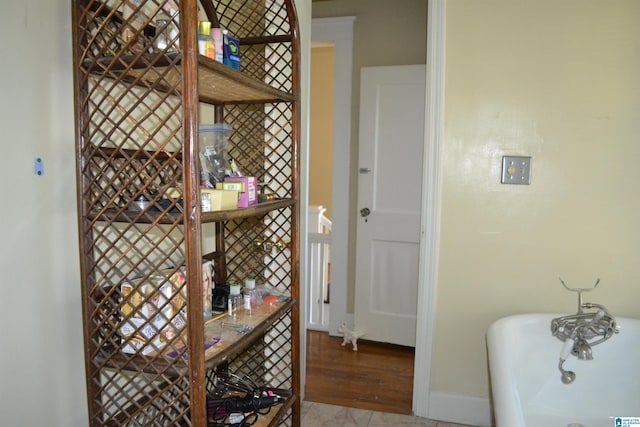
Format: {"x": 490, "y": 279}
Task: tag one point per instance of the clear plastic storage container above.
{"x": 214, "y": 160}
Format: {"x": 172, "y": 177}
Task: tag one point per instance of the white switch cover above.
{"x": 516, "y": 170}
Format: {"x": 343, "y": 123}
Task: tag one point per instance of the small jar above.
{"x": 249, "y": 294}
{"x": 235, "y": 299}
{"x": 161, "y": 43}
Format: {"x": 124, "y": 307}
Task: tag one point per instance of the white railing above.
{"x": 319, "y": 263}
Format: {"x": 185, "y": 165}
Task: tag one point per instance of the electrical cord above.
{"x": 237, "y": 401}
{"x": 240, "y": 411}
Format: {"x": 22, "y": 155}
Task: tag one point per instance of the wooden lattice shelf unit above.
{"x": 138, "y": 108}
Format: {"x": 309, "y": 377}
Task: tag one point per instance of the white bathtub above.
{"x": 526, "y": 385}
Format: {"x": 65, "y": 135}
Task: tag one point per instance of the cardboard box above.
{"x": 247, "y": 188}
{"x": 231, "y": 51}
{"x": 217, "y": 200}
{"x": 154, "y": 310}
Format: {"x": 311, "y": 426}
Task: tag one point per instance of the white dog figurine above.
{"x": 350, "y": 336}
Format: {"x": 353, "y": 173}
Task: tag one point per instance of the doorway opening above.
{"x": 337, "y": 33}
{"x": 321, "y": 91}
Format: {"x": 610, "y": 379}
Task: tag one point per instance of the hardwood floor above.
{"x": 378, "y": 377}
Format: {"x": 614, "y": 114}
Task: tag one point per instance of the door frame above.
{"x": 431, "y": 184}
{"x": 340, "y": 32}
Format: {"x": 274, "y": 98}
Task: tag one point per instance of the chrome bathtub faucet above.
{"x": 581, "y": 331}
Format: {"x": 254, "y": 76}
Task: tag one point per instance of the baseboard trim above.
{"x": 460, "y": 409}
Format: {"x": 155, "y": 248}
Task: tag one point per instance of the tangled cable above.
{"x": 238, "y": 402}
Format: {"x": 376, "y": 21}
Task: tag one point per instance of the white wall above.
{"x": 42, "y": 358}
{"x": 41, "y": 362}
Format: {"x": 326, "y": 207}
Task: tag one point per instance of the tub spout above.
{"x": 582, "y": 350}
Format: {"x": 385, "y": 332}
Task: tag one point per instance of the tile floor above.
{"x": 322, "y": 415}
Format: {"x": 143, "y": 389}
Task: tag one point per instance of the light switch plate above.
{"x": 516, "y": 170}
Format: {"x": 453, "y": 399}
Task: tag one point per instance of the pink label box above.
{"x": 247, "y": 187}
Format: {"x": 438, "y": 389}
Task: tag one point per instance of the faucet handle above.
{"x": 579, "y": 291}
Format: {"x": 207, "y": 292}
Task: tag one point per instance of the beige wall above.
{"x": 321, "y": 127}
{"x": 557, "y": 81}
{"x": 385, "y": 33}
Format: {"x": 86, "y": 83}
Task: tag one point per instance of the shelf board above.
{"x": 230, "y": 344}
{"x": 217, "y": 83}
{"x": 152, "y": 215}
{"x": 257, "y": 210}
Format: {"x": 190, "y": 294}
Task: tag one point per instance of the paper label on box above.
{"x": 253, "y": 193}
{"x": 235, "y": 186}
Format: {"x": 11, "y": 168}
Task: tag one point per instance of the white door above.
{"x": 389, "y": 201}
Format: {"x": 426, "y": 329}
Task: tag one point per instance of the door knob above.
{"x": 364, "y": 212}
